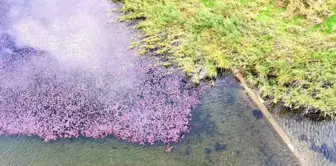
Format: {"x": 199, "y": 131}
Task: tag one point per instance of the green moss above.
{"x": 282, "y": 56}
{"x": 209, "y": 3}
{"x": 329, "y": 24}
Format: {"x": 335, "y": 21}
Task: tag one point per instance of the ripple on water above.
{"x": 314, "y": 139}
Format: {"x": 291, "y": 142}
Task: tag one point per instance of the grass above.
{"x": 285, "y": 50}
{"x": 328, "y": 25}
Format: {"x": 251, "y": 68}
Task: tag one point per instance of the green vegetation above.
{"x": 286, "y": 48}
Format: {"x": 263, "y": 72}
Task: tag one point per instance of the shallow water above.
{"x": 226, "y": 129}
{"x": 315, "y": 140}
{"x": 224, "y": 132}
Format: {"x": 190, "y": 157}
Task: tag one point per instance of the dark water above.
{"x": 224, "y": 131}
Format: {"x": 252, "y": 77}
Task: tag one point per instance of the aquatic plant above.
{"x": 328, "y": 152}
{"x": 275, "y": 44}
{"x": 41, "y": 97}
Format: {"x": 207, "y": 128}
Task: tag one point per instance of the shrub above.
{"x": 285, "y": 48}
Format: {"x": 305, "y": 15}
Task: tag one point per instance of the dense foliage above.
{"x": 285, "y": 48}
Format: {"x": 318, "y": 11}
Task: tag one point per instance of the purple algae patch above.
{"x": 79, "y": 77}
{"x": 40, "y": 97}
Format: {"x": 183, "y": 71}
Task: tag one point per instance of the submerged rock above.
{"x": 207, "y": 151}
{"x": 230, "y": 100}
{"x": 257, "y": 114}
{"x": 202, "y": 125}
{"x": 237, "y": 152}
{"x": 220, "y": 147}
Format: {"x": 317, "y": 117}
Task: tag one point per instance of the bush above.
{"x": 277, "y": 45}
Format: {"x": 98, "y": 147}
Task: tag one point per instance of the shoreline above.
{"x": 204, "y": 38}
{"x": 269, "y": 118}
{"x": 202, "y": 73}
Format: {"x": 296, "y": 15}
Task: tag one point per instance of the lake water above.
{"x": 226, "y": 128}
{"x": 225, "y": 131}
{"x": 315, "y": 140}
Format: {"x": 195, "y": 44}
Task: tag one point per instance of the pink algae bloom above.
{"x": 60, "y": 103}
